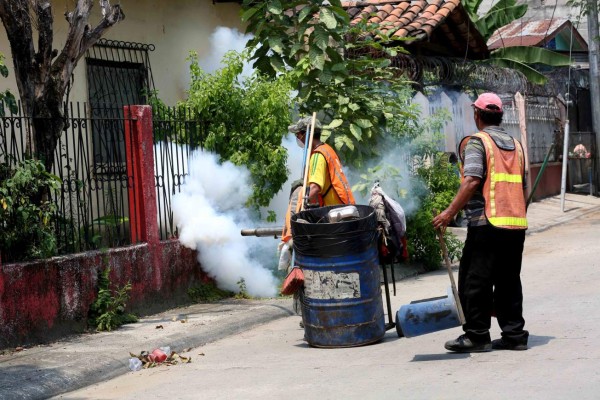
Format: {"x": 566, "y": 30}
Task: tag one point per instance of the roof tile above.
{"x": 419, "y": 19}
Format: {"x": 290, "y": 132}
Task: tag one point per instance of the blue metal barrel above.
{"x": 428, "y": 315}
{"x": 341, "y": 301}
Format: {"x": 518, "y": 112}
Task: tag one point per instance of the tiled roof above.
{"x": 532, "y": 33}
{"x": 440, "y": 26}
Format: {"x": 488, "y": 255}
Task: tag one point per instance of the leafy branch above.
{"x": 340, "y": 69}
{"x": 243, "y": 120}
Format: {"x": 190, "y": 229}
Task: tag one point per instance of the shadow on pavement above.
{"x": 535, "y": 341}
{"x": 30, "y": 382}
{"x": 438, "y": 357}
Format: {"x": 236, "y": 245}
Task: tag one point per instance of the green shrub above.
{"x": 108, "y": 311}
{"x": 26, "y": 211}
{"x": 433, "y": 184}
{"x": 244, "y": 120}
{"x": 243, "y": 293}
{"x": 437, "y": 183}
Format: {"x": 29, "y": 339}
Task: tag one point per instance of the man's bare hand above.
{"x": 442, "y": 220}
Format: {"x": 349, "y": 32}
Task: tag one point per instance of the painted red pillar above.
{"x": 141, "y": 177}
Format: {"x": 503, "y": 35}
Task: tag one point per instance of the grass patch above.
{"x": 208, "y": 293}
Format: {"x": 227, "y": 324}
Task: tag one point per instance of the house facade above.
{"x": 149, "y": 47}
{"x": 145, "y": 52}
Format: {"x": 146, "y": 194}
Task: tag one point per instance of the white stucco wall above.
{"x": 175, "y": 27}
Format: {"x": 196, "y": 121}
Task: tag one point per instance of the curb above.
{"x": 562, "y": 220}
{"x": 84, "y": 360}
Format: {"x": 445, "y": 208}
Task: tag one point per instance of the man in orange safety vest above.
{"x": 327, "y": 182}
{"x": 493, "y": 194}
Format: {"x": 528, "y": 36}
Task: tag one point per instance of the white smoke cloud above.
{"x": 398, "y": 186}
{"x": 222, "y": 40}
{"x": 280, "y": 202}
{"x": 209, "y": 213}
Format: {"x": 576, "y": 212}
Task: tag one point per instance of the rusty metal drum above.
{"x": 341, "y": 301}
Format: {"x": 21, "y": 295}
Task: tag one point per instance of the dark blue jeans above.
{"x": 489, "y": 282}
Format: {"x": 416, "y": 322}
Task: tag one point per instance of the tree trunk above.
{"x": 48, "y": 123}
{"x": 42, "y": 77}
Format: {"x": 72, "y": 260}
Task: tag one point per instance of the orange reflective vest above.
{"x": 294, "y": 206}
{"x": 339, "y": 183}
{"x": 503, "y": 185}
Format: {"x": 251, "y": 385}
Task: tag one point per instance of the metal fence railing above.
{"x": 93, "y": 200}
{"x": 177, "y": 133}
{"x": 543, "y": 124}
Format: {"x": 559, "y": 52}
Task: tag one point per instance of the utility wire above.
{"x": 550, "y": 23}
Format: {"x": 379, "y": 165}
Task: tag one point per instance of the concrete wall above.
{"x": 550, "y": 181}
{"x": 175, "y": 27}
{"x": 47, "y": 299}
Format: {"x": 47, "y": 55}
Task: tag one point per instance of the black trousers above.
{"x": 489, "y": 282}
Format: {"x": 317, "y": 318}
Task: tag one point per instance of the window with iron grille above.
{"x": 118, "y": 74}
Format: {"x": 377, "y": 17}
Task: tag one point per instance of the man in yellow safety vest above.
{"x": 328, "y": 183}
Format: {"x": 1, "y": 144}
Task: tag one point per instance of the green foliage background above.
{"x": 428, "y": 180}
{"x": 26, "y": 230}
{"x": 351, "y": 83}
{"x": 244, "y": 120}
{"x": 436, "y": 184}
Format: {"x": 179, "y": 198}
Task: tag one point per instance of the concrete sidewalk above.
{"x": 44, "y": 371}
{"x": 547, "y": 213}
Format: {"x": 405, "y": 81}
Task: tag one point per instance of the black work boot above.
{"x": 464, "y": 345}
{"x": 501, "y": 344}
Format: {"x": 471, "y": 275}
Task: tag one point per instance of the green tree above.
{"x": 244, "y": 120}
{"x": 520, "y": 58}
{"x": 44, "y": 73}
{"x": 583, "y": 5}
{"x": 336, "y": 68}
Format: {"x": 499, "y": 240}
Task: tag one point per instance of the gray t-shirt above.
{"x": 475, "y": 165}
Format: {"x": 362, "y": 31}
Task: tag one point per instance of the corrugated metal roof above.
{"x": 532, "y": 33}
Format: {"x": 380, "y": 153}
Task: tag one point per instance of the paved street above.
{"x": 561, "y": 272}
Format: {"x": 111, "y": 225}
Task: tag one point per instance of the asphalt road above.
{"x": 561, "y": 275}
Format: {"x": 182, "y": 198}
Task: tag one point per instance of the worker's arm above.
{"x": 468, "y": 186}
{"x": 313, "y": 194}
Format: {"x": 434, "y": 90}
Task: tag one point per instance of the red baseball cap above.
{"x": 488, "y": 102}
